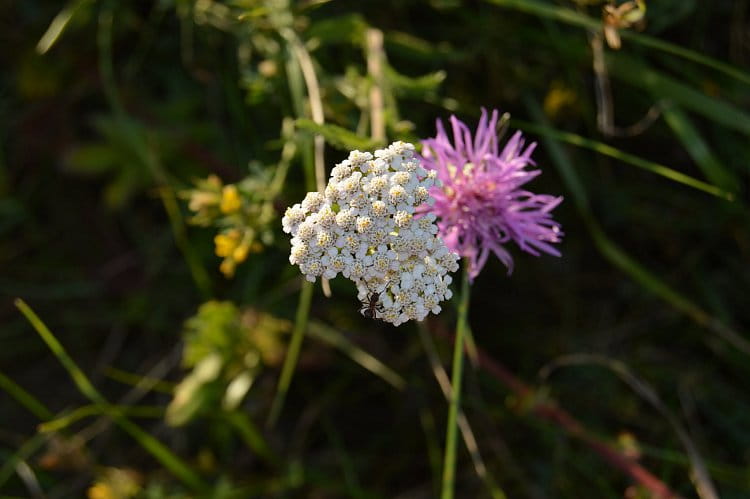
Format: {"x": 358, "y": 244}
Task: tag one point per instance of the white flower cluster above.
{"x": 363, "y": 226}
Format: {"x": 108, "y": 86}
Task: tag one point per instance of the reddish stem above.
{"x": 550, "y": 411}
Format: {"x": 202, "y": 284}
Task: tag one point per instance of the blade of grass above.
{"x": 145, "y": 153}
{"x": 31, "y": 403}
{"x": 62, "y": 422}
{"x": 133, "y": 379}
{"x": 252, "y": 436}
{"x": 26, "y": 450}
{"x": 158, "y": 450}
{"x": 700, "y": 476}
{"x": 620, "y": 258}
{"x": 665, "y": 87}
{"x": 348, "y": 469}
{"x": 58, "y": 25}
{"x": 569, "y": 16}
{"x": 698, "y": 149}
{"x": 292, "y": 354}
{"x": 463, "y": 422}
{"x": 550, "y": 410}
{"x": 433, "y": 446}
{"x": 449, "y": 458}
{"x": 337, "y": 340}
{"x": 612, "y": 152}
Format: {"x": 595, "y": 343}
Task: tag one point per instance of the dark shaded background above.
{"x": 92, "y": 251}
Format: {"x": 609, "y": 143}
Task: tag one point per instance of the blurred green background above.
{"x": 615, "y": 370}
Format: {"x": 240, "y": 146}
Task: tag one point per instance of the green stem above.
{"x": 292, "y": 354}
{"x": 451, "y": 433}
{"x": 62, "y": 422}
{"x": 158, "y": 450}
{"x": 31, "y": 403}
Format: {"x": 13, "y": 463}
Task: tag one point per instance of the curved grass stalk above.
{"x": 551, "y": 411}
{"x": 307, "y": 68}
{"x": 704, "y": 486}
{"x": 451, "y": 432}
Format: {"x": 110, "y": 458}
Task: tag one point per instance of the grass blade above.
{"x": 698, "y": 149}
{"x": 24, "y": 398}
{"x": 58, "y": 25}
{"x": 619, "y": 258}
{"x": 670, "y": 89}
{"x": 569, "y": 16}
{"x": 170, "y": 461}
{"x": 85, "y": 411}
{"x": 451, "y": 431}
{"x": 29, "y": 447}
{"x": 703, "y": 483}
{"x": 625, "y": 157}
{"x": 252, "y": 436}
{"x": 334, "y": 338}
{"x": 292, "y": 354}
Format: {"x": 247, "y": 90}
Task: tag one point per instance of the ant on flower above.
{"x": 371, "y": 305}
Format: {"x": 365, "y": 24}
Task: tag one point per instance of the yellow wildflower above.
{"x": 227, "y": 267}
{"x": 227, "y": 242}
{"x": 230, "y": 199}
{"x": 240, "y": 253}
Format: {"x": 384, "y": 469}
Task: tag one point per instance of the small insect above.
{"x": 371, "y": 305}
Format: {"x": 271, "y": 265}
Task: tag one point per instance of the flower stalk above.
{"x": 451, "y": 432}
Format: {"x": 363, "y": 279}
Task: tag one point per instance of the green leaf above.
{"x": 91, "y": 159}
{"x": 348, "y": 28}
{"x": 339, "y": 137}
{"x": 417, "y": 85}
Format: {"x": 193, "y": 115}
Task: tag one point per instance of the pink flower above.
{"x": 481, "y": 205}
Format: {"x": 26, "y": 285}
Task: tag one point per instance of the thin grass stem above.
{"x": 31, "y": 403}
{"x": 451, "y": 432}
{"x": 165, "y": 456}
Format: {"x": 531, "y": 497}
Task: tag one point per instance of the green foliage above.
{"x": 339, "y": 137}
{"x": 225, "y": 349}
{"x": 142, "y": 143}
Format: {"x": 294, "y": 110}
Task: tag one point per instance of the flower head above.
{"x": 363, "y": 227}
{"x": 482, "y": 205}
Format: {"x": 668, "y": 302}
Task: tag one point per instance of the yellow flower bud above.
{"x": 240, "y": 253}
{"x": 227, "y": 267}
{"x": 226, "y": 243}
{"x": 230, "y": 199}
